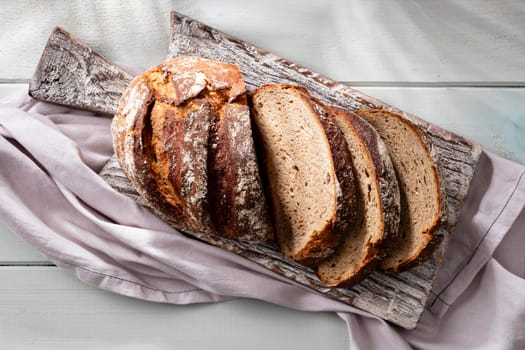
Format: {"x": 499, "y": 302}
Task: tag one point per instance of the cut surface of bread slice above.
{"x": 183, "y": 137}
{"x": 300, "y": 170}
{"x": 359, "y": 252}
{"x": 347, "y": 202}
{"x": 421, "y": 200}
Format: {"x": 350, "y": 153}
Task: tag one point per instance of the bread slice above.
{"x": 359, "y": 252}
{"x": 306, "y": 194}
{"x": 421, "y": 200}
{"x": 183, "y": 136}
{"x": 347, "y": 201}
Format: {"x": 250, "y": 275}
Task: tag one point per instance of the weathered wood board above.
{"x": 72, "y": 74}
{"x": 398, "y": 298}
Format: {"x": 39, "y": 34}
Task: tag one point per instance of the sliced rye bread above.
{"x": 422, "y": 202}
{"x": 306, "y": 194}
{"x": 347, "y": 201}
{"x": 183, "y": 137}
{"x": 360, "y": 251}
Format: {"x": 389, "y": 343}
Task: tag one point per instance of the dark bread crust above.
{"x": 347, "y": 203}
{"x": 424, "y": 254}
{"x": 430, "y": 234}
{"x": 385, "y": 173}
{"x": 237, "y": 187}
{"x": 132, "y": 143}
{"x": 168, "y": 118}
{"x": 369, "y": 265}
{"x": 177, "y": 159}
{"x": 382, "y": 175}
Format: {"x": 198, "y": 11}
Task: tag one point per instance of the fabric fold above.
{"x": 495, "y": 200}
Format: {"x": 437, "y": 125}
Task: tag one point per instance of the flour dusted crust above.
{"x": 183, "y": 137}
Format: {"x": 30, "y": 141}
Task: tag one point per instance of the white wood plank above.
{"x": 491, "y": 116}
{"x": 13, "y": 250}
{"x": 494, "y": 117}
{"x": 47, "y": 308}
{"x": 380, "y": 41}
{"x": 10, "y": 89}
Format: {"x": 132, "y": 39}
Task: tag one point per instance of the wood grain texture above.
{"x": 397, "y": 298}
{"x": 72, "y": 74}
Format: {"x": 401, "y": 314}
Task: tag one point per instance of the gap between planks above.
{"x": 6, "y": 264}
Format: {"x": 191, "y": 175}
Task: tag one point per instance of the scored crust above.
{"x": 182, "y": 135}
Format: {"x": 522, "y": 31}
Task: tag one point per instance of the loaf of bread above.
{"x": 422, "y": 210}
{"x": 183, "y": 137}
{"x": 346, "y": 192}
{"x": 309, "y": 172}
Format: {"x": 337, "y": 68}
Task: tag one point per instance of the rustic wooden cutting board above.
{"x": 72, "y": 74}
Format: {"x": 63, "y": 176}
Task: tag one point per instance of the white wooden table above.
{"x": 458, "y": 64}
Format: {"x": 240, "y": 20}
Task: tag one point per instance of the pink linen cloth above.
{"x": 52, "y": 196}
